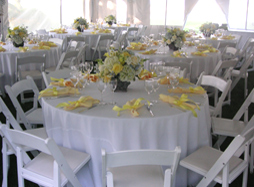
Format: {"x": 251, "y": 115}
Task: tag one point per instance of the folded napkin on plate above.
{"x": 132, "y": 105}
{"x": 53, "y": 92}
{"x": 196, "y": 90}
{"x": 104, "y": 31}
{"x": 155, "y": 42}
{"x": 2, "y": 43}
{"x": 188, "y": 35}
{"x": 92, "y": 77}
{"x": 41, "y": 47}
{"x": 59, "y": 31}
{"x": 2, "y": 49}
{"x": 199, "y": 53}
{"x": 50, "y": 44}
{"x": 183, "y": 102}
{"x": 228, "y": 37}
{"x": 145, "y": 75}
{"x": 137, "y": 46}
{"x": 93, "y": 32}
{"x": 189, "y": 43}
{"x": 83, "y": 101}
{"x": 23, "y": 49}
{"x": 32, "y": 42}
{"x": 150, "y": 52}
{"x": 77, "y": 33}
{"x": 178, "y": 54}
{"x": 214, "y": 38}
{"x": 182, "y": 80}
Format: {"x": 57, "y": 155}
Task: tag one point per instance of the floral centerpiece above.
{"x": 17, "y": 35}
{"x": 80, "y": 24}
{"x": 208, "y": 28}
{"x": 110, "y": 19}
{"x": 175, "y": 38}
{"x": 120, "y": 65}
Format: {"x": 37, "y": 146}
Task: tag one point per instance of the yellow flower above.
{"x": 126, "y": 54}
{"x": 16, "y": 28}
{"x": 12, "y": 33}
{"x": 117, "y": 68}
{"x": 21, "y": 34}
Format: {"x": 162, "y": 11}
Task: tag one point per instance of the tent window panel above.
{"x": 157, "y": 12}
{"x": 237, "y": 14}
{"x": 35, "y": 14}
{"x": 71, "y": 10}
{"x": 121, "y": 11}
{"x": 250, "y": 20}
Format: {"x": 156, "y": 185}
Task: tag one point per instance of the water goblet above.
{"x": 149, "y": 86}
{"x": 152, "y": 68}
{"x": 156, "y": 86}
{"x": 101, "y": 85}
{"x": 174, "y": 76}
{"x": 167, "y": 70}
{"x": 113, "y": 85}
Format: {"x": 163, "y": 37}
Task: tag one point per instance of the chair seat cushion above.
{"x": 35, "y": 117}
{"x": 40, "y": 132}
{"x": 138, "y": 176}
{"x": 35, "y": 74}
{"x": 43, "y": 163}
{"x": 204, "y": 158}
{"x": 227, "y": 127}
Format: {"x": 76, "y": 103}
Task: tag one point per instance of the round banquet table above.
{"x": 100, "y": 127}
{"x": 90, "y": 39}
{"x": 199, "y": 63}
{"x": 8, "y": 59}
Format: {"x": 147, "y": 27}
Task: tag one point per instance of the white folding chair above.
{"x": 2, "y": 86}
{"x": 242, "y": 73}
{"x": 120, "y": 42}
{"x": 41, "y": 31}
{"x": 58, "y": 74}
{"x": 66, "y": 59}
{"x": 246, "y": 51}
{"x": 7, "y": 147}
{"x": 224, "y": 70}
{"x": 185, "y": 67}
{"x": 229, "y": 53}
{"x": 219, "y": 85}
{"x": 222, "y": 167}
{"x": 139, "y": 168}
{"x": 34, "y": 115}
{"x": 132, "y": 34}
{"x": 59, "y": 42}
{"x": 224, "y": 128}
{"x": 30, "y": 65}
{"x": 222, "y": 45}
{"x": 102, "y": 48}
{"x": 53, "y": 166}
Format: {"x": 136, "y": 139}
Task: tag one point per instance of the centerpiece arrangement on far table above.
{"x": 110, "y": 19}
{"x": 17, "y": 35}
{"x": 208, "y": 28}
{"x": 120, "y": 65}
{"x": 80, "y": 24}
{"x": 174, "y": 38}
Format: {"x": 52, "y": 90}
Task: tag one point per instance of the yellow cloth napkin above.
{"x": 182, "y": 80}
{"x": 32, "y": 42}
{"x": 196, "y": 90}
{"x": 199, "y": 53}
{"x": 59, "y": 31}
{"x": 132, "y": 105}
{"x": 2, "y": 49}
{"x": 104, "y": 31}
{"x": 23, "y": 49}
{"x": 49, "y": 44}
{"x": 189, "y": 43}
{"x": 179, "y": 54}
{"x": 2, "y": 43}
{"x": 137, "y": 46}
{"x": 93, "y": 32}
{"x": 83, "y": 101}
{"x": 145, "y": 75}
{"x": 77, "y": 33}
{"x": 228, "y": 37}
{"x": 41, "y": 47}
{"x": 214, "y": 38}
{"x": 150, "y": 52}
{"x": 51, "y": 92}
{"x": 181, "y": 102}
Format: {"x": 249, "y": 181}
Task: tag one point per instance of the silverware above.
{"x": 149, "y": 109}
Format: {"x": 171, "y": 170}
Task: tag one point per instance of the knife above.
{"x": 149, "y": 109}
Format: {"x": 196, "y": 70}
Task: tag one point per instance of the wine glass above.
{"x": 156, "y": 86}
{"x": 152, "y": 68}
{"x": 112, "y": 86}
{"x": 149, "y": 86}
{"x": 174, "y": 76}
{"x": 167, "y": 70}
{"x": 88, "y": 67}
{"x": 101, "y": 85}
{"x": 159, "y": 68}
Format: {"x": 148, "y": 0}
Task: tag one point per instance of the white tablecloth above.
{"x": 100, "y": 127}
{"x": 91, "y": 39}
{"x": 8, "y": 58}
{"x": 200, "y": 64}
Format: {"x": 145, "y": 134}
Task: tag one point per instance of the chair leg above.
{"x": 245, "y": 95}
{"x": 220, "y": 140}
{"x": 5, "y": 165}
{"x": 251, "y": 156}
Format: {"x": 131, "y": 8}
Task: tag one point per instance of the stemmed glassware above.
{"x": 159, "y": 68}
{"x": 156, "y": 86}
{"x": 149, "y": 86}
{"x": 88, "y": 67}
{"x": 174, "y": 76}
{"x": 152, "y": 68}
{"x": 113, "y": 85}
{"x": 167, "y": 70}
{"x": 101, "y": 85}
